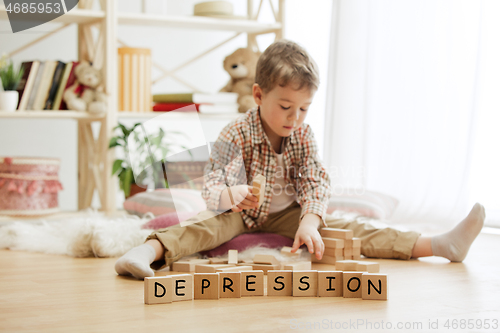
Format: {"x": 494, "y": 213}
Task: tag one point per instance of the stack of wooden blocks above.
{"x": 339, "y": 245}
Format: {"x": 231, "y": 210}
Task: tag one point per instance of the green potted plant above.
{"x": 147, "y": 156}
{"x": 10, "y": 78}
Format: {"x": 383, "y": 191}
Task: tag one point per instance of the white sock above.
{"x": 455, "y": 244}
{"x": 136, "y": 262}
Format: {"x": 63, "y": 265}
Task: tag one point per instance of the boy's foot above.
{"x": 136, "y": 262}
{"x": 455, "y": 244}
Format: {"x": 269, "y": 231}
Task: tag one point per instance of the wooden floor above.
{"x": 47, "y": 293}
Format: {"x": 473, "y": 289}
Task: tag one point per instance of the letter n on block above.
{"x": 305, "y": 283}
{"x": 206, "y": 286}
{"x": 330, "y": 284}
{"x": 158, "y": 290}
{"x": 279, "y": 283}
{"x": 374, "y": 286}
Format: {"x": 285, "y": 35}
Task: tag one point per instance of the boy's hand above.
{"x": 308, "y": 234}
{"x": 242, "y": 196}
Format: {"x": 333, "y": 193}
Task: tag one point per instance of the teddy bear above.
{"x": 86, "y": 94}
{"x": 241, "y": 65}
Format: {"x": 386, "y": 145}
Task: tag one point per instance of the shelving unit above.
{"x": 94, "y": 158}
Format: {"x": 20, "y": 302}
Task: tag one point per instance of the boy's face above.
{"x": 283, "y": 109}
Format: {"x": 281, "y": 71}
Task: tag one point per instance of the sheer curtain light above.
{"x": 413, "y": 90}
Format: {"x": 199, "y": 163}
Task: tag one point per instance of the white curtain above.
{"x": 414, "y": 105}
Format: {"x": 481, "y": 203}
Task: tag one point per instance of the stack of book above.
{"x": 222, "y": 102}
{"x": 43, "y": 84}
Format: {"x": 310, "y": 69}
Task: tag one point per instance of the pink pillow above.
{"x": 240, "y": 243}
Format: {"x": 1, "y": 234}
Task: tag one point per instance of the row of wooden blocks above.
{"x": 262, "y": 262}
{"x": 166, "y": 289}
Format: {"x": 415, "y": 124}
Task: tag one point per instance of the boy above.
{"x": 273, "y": 138}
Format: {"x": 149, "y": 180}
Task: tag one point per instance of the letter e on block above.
{"x": 252, "y": 283}
{"x": 279, "y": 283}
{"x": 158, "y": 290}
{"x": 352, "y": 284}
{"x": 182, "y": 287}
{"x": 206, "y": 285}
{"x": 374, "y": 286}
{"x": 330, "y": 284}
{"x": 305, "y": 283}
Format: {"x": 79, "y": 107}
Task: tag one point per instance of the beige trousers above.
{"x": 214, "y": 230}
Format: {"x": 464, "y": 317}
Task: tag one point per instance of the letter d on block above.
{"x": 157, "y": 290}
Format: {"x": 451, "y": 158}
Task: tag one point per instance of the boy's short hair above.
{"x": 283, "y": 63}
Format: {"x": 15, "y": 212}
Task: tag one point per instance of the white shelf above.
{"x": 63, "y": 114}
{"x": 197, "y": 22}
{"x": 180, "y": 115}
{"x": 81, "y": 16}
{"x": 78, "y": 16}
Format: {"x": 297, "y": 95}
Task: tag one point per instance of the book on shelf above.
{"x": 26, "y": 84}
{"x": 219, "y": 108}
{"x": 43, "y": 89}
{"x": 164, "y": 107}
{"x": 36, "y": 84}
{"x": 56, "y": 80}
{"x": 65, "y": 84}
{"x": 197, "y": 98}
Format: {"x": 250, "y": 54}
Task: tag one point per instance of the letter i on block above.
{"x": 374, "y": 286}
{"x": 206, "y": 285}
{"x": 330, "y": 284}
{"x": 158, "y": 290}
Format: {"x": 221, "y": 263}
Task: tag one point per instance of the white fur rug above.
{"x": 92, "y": 234}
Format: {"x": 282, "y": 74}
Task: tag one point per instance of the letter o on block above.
{"x": 352, "y": 284}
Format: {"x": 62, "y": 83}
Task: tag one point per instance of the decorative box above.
{"x": 29, "y": 186}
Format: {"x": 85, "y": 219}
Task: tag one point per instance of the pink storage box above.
{"x": 29, "y": 186}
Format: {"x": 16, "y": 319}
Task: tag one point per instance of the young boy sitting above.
{"x": 272, "y": 138}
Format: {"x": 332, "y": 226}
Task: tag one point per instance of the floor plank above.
{"x": 49, "y": 293}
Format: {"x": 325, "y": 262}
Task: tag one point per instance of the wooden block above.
{"x": 348, "y": 257}
{"x": 356, "y": 251}
{"x": 206, "y": 285}
{"x": 374, "y": 286}
{"x": 348, "y": 252}
{"x": 262, "y": 267}
{"x": 346, "y": 265}
{"x": 230, "y": 285}
{"x": 356, "y": 256}
{"x": 259, "y": 188}
{"x": 234, "y": 269}
{"x": 182, "y": 287}
{"x": 354, "y": 242}
{"x": 245, "y": 261}
{"x": 209, "y": 268}
{"x": 338, "y": 252}
{"x": 232, "y": 257}
{"x": 279, "y": 283}
{"x": 368, "y": 266}
{"x": 336, "y": 233}
{"x": 297, "y": 265}
{"x": 188, "y": 265}
{"x": 326, "y": 259}
{"x": 252, "y": 283}
{"x": 352, "y": 284}
{"x": 287, "y": 251}
{"x": 265, "y": 259}
{"x": 333, "y": 243}
{"x": 330, "y": 284}
{"x": 305, "y": 283}
{"x": 157, "y": 290}
{"x": 218, "y": 261}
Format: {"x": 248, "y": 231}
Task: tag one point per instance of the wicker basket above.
{"x": 29, "y": 186}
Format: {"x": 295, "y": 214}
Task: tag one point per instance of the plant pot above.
{"x": 8, "y": 100}
{"x": 134, "y": 189}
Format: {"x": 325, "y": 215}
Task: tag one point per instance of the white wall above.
{"x": 306, "y": 23}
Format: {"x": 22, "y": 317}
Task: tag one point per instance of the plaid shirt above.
{"x": 243, "y": 151}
